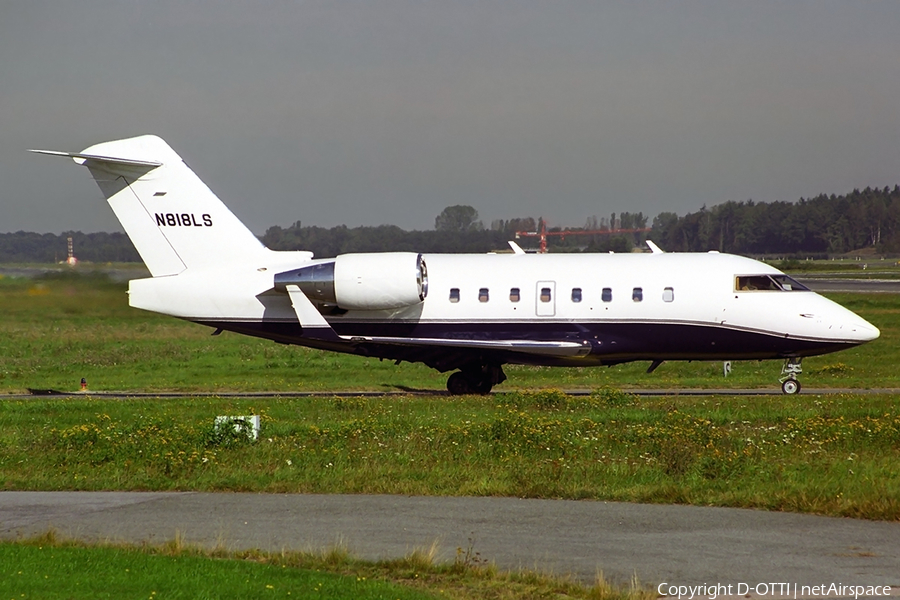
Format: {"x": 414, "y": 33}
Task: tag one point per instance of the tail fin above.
{"x": 173, "y": 219}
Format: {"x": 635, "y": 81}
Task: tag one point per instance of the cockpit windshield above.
{"x": 772, "y": 283}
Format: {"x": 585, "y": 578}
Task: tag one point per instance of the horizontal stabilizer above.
{"x": 81, "y": 158}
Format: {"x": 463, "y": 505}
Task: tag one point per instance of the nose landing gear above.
{"x": 789, "y": 372}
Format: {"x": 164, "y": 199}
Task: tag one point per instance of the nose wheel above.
{"x": 789, "y": 373}
{"x": 790, "y": 386}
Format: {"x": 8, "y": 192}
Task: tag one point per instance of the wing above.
{"x": 315, "y": 326}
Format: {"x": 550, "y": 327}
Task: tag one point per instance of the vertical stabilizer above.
{"x": 173, "y": 219}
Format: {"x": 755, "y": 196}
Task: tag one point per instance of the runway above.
{"x": 660, "y": 543}
{"x": 643, "y": 392}
{"x": 850, "y": 285}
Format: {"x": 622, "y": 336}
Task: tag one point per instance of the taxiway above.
{"x": 675, "y": 544}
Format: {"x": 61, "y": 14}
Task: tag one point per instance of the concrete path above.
{"x": 680, "y": 545}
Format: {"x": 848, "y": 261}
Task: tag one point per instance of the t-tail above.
{"x": 174, "y": 220}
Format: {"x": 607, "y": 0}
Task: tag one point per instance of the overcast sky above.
{"x": 376, "y": 112}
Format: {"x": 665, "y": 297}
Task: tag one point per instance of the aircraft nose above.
{"x": 844, "y": 324}
{"x": 865, "y": 331}
{"x": 856, "y": 329}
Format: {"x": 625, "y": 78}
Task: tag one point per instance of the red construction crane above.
{"x": 543, "y": 233}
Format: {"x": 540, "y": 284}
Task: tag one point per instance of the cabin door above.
{"x": 545, "y": 298}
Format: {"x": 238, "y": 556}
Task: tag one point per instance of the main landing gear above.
{"x": 789, "y": 372}
{"x": 475, "y": 379}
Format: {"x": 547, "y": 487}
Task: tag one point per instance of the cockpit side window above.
{"x": 753, "y": 283}
{"x": 770, "y": 283}
{"x": 789, "y": 284}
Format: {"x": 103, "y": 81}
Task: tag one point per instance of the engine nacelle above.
{"x": 376, "y": 281}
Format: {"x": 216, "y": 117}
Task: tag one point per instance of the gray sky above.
{"x": 387, "y": 111}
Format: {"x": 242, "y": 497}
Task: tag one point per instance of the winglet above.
{"x": 311, "y": 320}
{"x": 654, "y": 248}
{"x": 515, "y": 247}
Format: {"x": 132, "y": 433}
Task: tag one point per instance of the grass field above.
{"x": 833, "y": 455}
{"x": 48, "y": 571}
{"x": 58, "y": 330}
{"x": 48, "y": 568}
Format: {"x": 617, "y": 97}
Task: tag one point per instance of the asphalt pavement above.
{"x": 850, "y": 285}
{"x": 679, "y": 545}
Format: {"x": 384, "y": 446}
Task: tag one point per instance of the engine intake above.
{"x": 376, "y": 281}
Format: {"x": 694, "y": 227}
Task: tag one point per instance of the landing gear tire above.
{"x": 458, "y": 384}
{"x": 790, "y": 386}
{"x": 482, "y": 386}
{"x": 475, "y": 380}
{"x": 789, "y": 372}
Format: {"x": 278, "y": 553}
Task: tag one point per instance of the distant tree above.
{"x": 506, "y": 229}
{"x": 24, "y": 246}
{"x": 629, "y": 220}
{"x": 458, "y": 218}
{"x": 610, "y": 243}
{"x": 665, "y": 231}
{"x": 814, "y": 226}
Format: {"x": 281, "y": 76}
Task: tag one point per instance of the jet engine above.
{"x": 376, "y": 281}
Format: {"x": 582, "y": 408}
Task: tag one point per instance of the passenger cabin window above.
{"x": 454, "y": 294}
{"x": 606, "y": 295}
{"x": 668, "y": 295}
{"x": 514, "y": 295}
{"x": 767, "y": 283}
{"x": 545, "y": 295}
{"x": 637, "y": 294}
{"x": 576, "y": 294}
{"x": 483, "y": 295}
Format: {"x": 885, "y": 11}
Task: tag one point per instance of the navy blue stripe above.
{"x": 611, "y": 342}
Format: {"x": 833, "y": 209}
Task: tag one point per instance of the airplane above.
{"x": 467, "y": 313}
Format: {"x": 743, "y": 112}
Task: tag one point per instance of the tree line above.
{"x": 821, "y": 225}
{"x": 100, "y": 247}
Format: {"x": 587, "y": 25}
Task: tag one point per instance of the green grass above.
{"x": 56, "y": 330}
{"x": 833, "y": 455}
{"x": 48, "y": 568}
{"x": 28, "y": 571}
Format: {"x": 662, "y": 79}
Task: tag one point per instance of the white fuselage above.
{"x": 452, "y": 311}
{"x": 663, "y": 306}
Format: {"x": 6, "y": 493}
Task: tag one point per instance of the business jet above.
{"x": 466, "y": 313}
